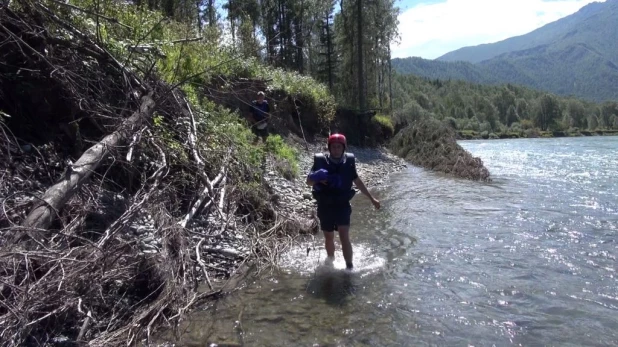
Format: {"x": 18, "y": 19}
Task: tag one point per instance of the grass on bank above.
{"x": 148, "y": 41}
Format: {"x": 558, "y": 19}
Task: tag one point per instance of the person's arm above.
{"x": 359, "y": 183}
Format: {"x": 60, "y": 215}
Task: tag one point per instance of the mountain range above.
{"x": 576, "y": 55}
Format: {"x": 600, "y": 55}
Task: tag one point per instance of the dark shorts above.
{"x": 331, "y": 216}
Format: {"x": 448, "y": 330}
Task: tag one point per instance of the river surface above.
{"x": 529, "y": 259}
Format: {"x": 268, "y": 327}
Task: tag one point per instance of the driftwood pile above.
{"x": 431, "y": 144}
{"x": 80, "y": 164}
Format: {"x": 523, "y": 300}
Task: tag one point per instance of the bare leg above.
{"x": 329, "y": 243}
{"x": 346, "y": 245}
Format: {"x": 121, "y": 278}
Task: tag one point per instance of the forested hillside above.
{"x": 508, "y": 110}
{"x": 574, "y": 56}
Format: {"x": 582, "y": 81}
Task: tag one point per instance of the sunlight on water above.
{"x": 306, "y": 257}
{"x": 529, "y": 259}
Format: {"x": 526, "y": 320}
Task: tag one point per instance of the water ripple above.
{"x": 529, "y": 259}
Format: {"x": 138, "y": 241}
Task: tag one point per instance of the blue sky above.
{"x": 431, "y": 28}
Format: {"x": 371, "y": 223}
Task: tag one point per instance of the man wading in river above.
{"x": 331, "y": 177}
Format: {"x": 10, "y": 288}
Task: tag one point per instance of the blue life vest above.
{"x": 346, "y": 169}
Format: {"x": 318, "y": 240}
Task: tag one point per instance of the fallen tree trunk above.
{"x": 42, "y": 215}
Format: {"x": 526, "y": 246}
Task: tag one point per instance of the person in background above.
{"x": 260, "y": 112}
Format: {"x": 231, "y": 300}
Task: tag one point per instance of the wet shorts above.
{"x": 331, "y": 216}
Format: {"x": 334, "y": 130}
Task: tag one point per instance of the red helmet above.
{"x": 337, "y": 138}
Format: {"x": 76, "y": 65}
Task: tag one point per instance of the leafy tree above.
{"x": 576, "y": 113}
{"x": 547, "y": 112}
{"x": 593, "y": 122}
{"x": 511, "y": 116}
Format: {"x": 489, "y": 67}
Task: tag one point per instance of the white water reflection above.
{"x": 529, "y": 260}
{"x": 308, "y": 257}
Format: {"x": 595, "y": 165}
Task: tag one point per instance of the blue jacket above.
{"x": 259, "y": 111}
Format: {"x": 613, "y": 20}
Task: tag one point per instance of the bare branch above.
{"x": 201, "y": 262}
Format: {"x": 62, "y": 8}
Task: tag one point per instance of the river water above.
{"x": 529, "y": 259}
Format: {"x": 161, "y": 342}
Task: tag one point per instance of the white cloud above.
{"x": 431, "y": 30}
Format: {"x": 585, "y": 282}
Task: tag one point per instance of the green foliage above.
{"x": 298, "y": 85}
{"x": 547, "y": 112}
{"x": 378, "y": 29}
{"x": 451, "y": 122}
{"x": 576, "y": 113}
{"x": 287, "y": 156}
{"x": 516, "y": 128}
{"x": 479, "y": 107}
{"x": 468, "y": 124}
{"x": 158, "y": 42}
{"x": 485, "y": 127}
{"x": 194, "y": 63}
{"x": 223, "y": 130}
{"x": 608, "y": 111}
{"x": 593, "y": 122}
{"x": 526, "y": 124}
{"x": 385, "y": 125}
{"x": 511, "y": 115}
{"x": 409, "y": 113}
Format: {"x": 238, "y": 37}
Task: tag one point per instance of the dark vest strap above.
{"x": 321, "y": 158}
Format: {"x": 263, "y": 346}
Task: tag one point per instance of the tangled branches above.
{"x": 430, "y": 144}
{"x": 109, "y": 225}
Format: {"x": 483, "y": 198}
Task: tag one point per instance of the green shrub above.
{"x": 190, "y": 63}
{"x": 384, "y": 124}
{"x": 451, "y": 122}
{"x": 286, "y": 156}
{"x": 526, "y": 124}
{"x": 485, "y": 127}
{"x": 516, "y": 127}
